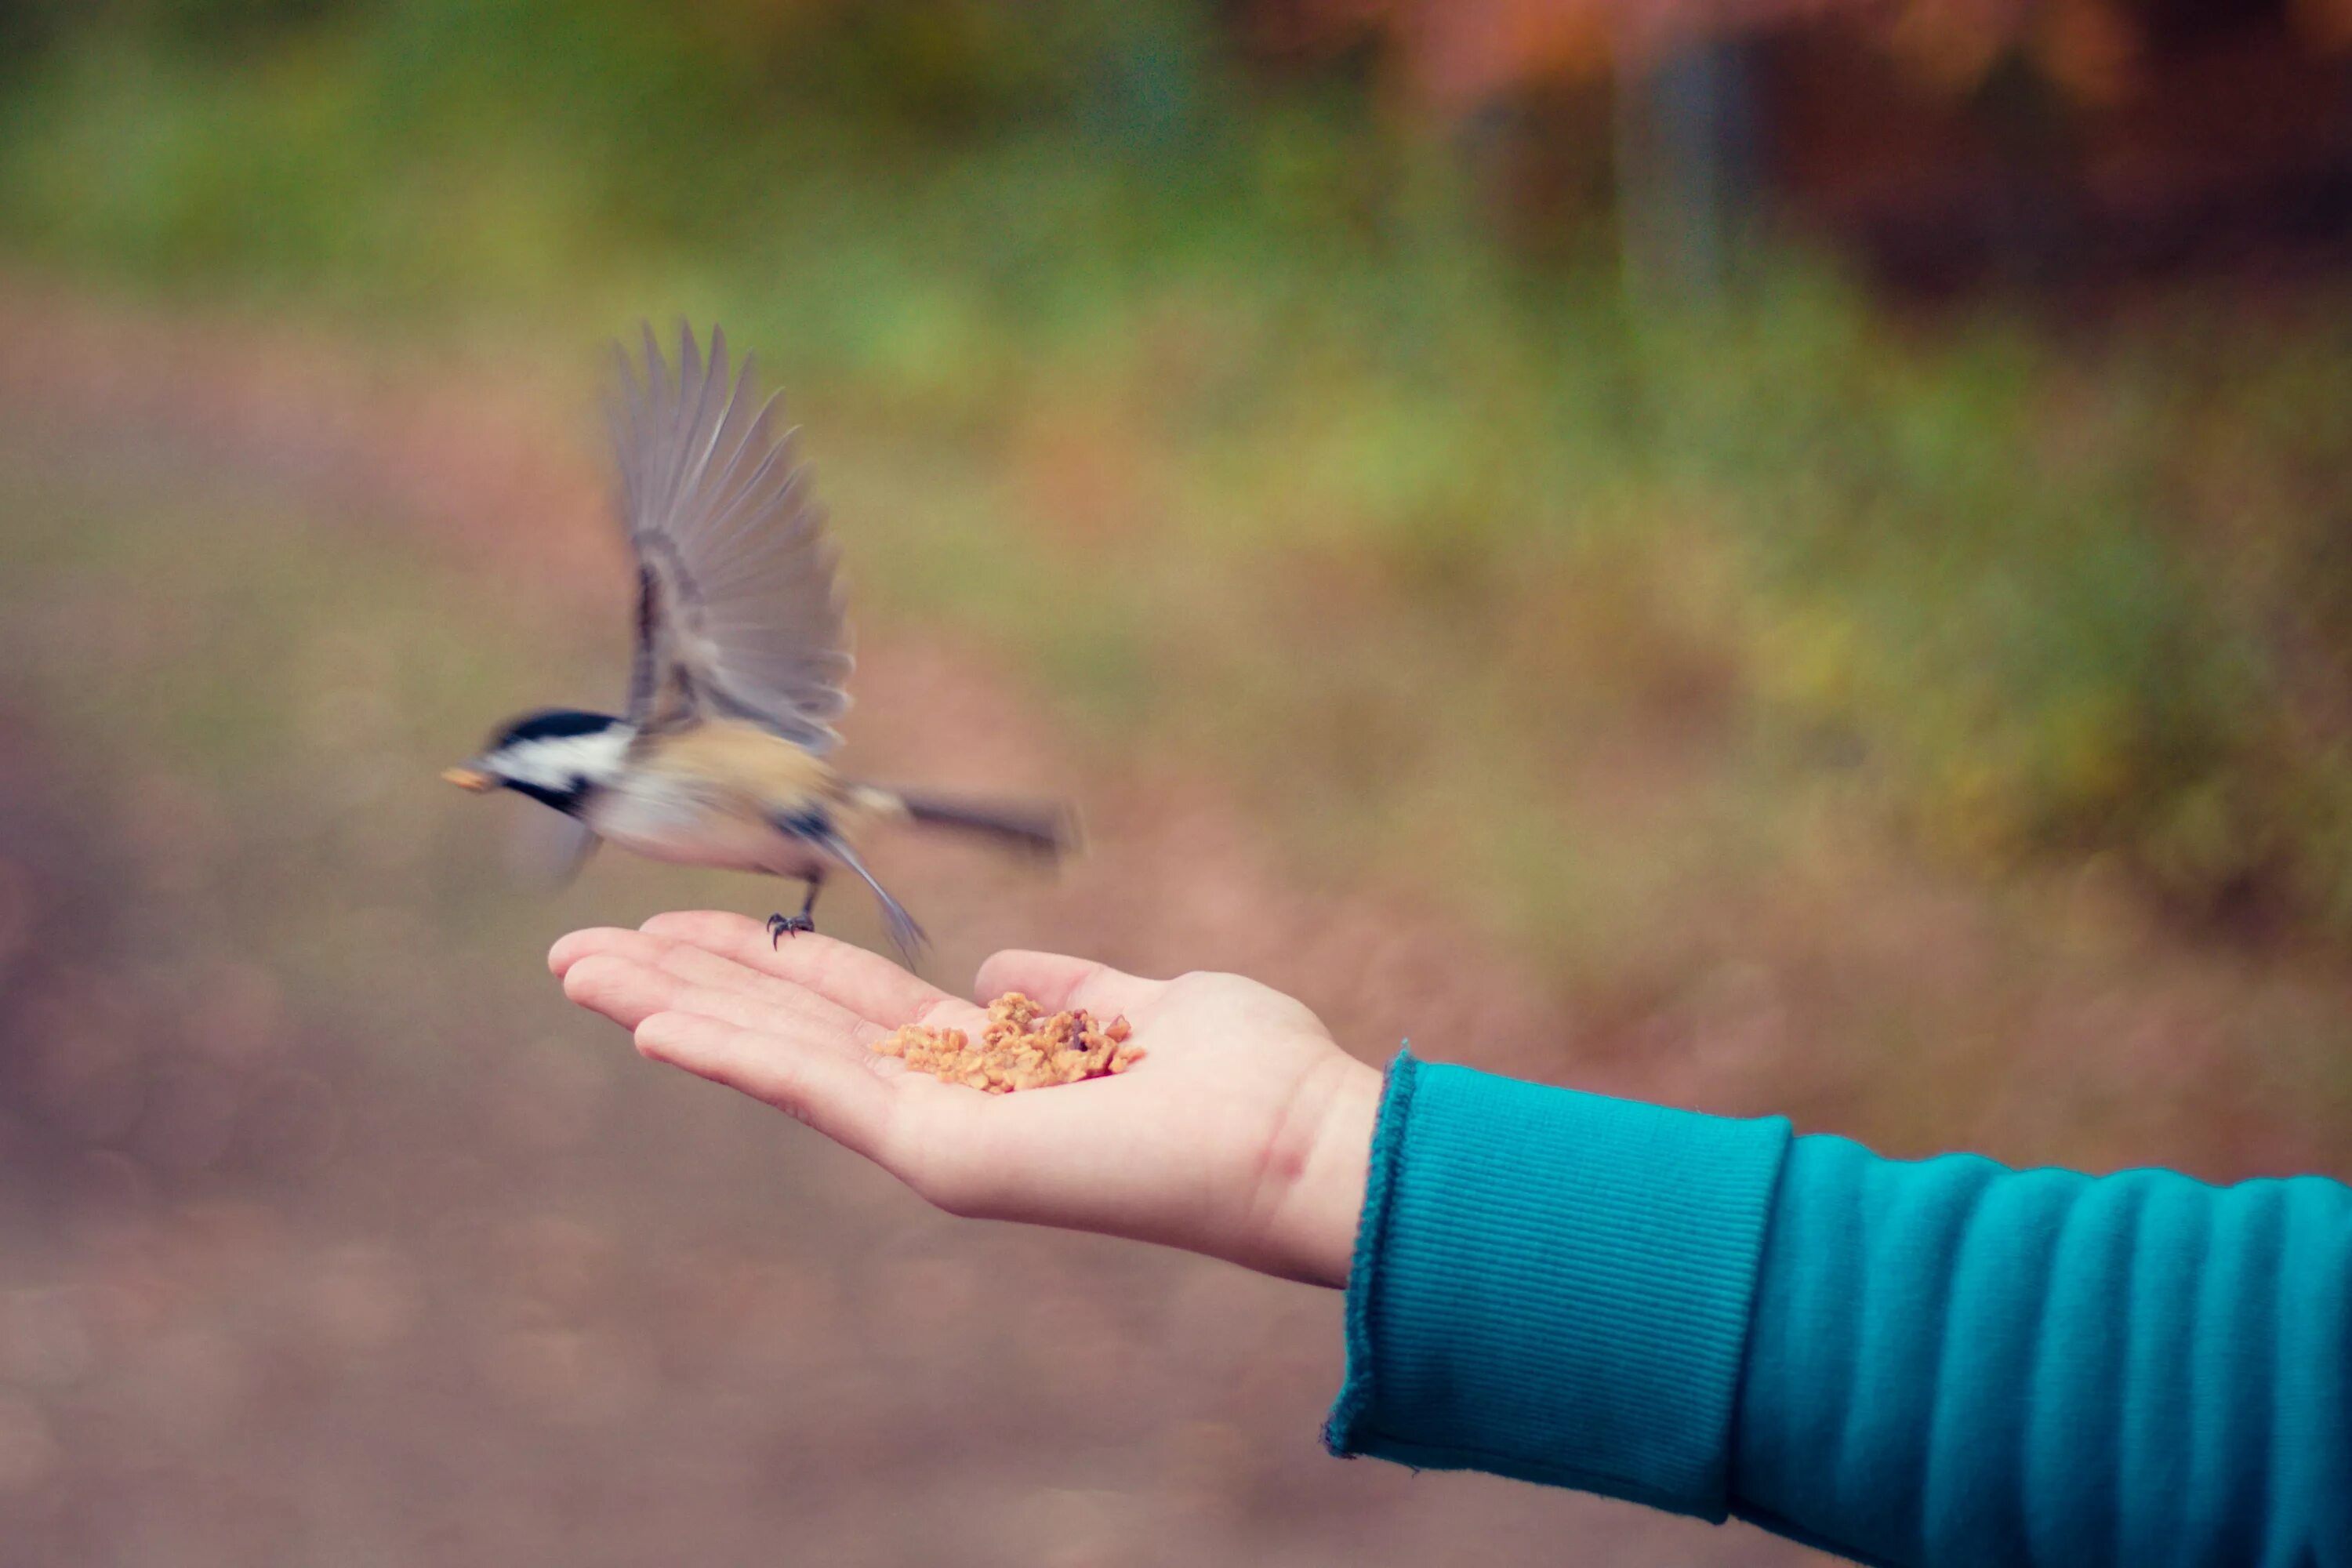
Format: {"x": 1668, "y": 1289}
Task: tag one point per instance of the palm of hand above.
{"x": 1244, "y": 1133}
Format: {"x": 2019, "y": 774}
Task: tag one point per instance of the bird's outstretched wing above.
{"x": 739, "y": 614}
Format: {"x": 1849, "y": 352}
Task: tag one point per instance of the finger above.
{"x": 790, "y": 1012}
{"x": 868, "y": 983}
{"x": 571, "y": 948}
{"x": 838, "y": 1097}
{"x": 622, "y": 989}
{"x": 1055, "y": 982}
{"x": 682, "y": 959}
{"x": 700, "y": 966}
{"x": 629, "y": 989}
{"x": 608, "y": 942}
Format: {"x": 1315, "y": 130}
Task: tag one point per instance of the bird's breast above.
{"x": 666, "y": 818}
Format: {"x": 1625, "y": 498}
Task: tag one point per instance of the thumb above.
{"x": 1056, "y": 982}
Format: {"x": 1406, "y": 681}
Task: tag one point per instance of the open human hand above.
{"x": 1245, "y": 1133}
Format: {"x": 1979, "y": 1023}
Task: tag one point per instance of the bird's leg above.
{"x": 782, "y": 926}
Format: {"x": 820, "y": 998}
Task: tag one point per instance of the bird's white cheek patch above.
{"x": 557, "y": 765}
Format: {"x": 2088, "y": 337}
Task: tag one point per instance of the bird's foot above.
{"x": 782, "y": 926}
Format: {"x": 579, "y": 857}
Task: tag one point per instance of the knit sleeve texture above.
{"x": 1941, "y": 1361}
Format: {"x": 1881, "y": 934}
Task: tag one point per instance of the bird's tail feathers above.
{"x": 1047, "y": 831}
{"x": 904, "y": 934}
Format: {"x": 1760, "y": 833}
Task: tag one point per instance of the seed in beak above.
{"x": 471, "y": 778}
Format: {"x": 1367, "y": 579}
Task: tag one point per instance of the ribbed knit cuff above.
{"x": 1554, "y": 1286}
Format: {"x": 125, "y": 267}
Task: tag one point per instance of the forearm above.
{"x": 1951, "y": 1361}
{"x": 1554, "y": 1287}
{"x": 1910, "y": 1363}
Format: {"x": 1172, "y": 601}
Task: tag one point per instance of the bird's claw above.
{"x": 782, "y": 926}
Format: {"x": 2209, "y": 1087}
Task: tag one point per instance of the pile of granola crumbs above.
{"x": 1021, "y": 1048}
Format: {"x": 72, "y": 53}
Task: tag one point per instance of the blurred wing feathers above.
{"x": 738, "y": 614}
{"x": 547, "y": 848}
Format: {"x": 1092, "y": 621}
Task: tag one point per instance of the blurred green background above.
{"x": 1784, "y": 559}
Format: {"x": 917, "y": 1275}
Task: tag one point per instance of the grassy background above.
{"x": 1099, "y": 313}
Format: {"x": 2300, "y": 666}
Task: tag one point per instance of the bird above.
{"x": 741, "y": 657}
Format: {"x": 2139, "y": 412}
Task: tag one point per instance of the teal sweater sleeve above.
{"x": 1944, "y": 1362}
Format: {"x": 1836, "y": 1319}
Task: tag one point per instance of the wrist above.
{"x": 1319, "y": 1217}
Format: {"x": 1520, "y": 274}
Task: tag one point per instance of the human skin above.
{"x": 1245, "y": 1133}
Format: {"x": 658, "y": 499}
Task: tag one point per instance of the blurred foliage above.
{"x": 2091, "y": 52}
{"x": 1231, "y": 361}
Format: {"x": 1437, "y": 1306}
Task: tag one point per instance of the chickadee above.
{"x": 741, "y": 658}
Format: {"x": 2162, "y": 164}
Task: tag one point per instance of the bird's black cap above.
{"x": 553, "y": 723}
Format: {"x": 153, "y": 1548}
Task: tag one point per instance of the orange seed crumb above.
{"x": 1022, "y": 1046}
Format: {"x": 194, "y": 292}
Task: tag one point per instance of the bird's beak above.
{"x": 474, "y": 779}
